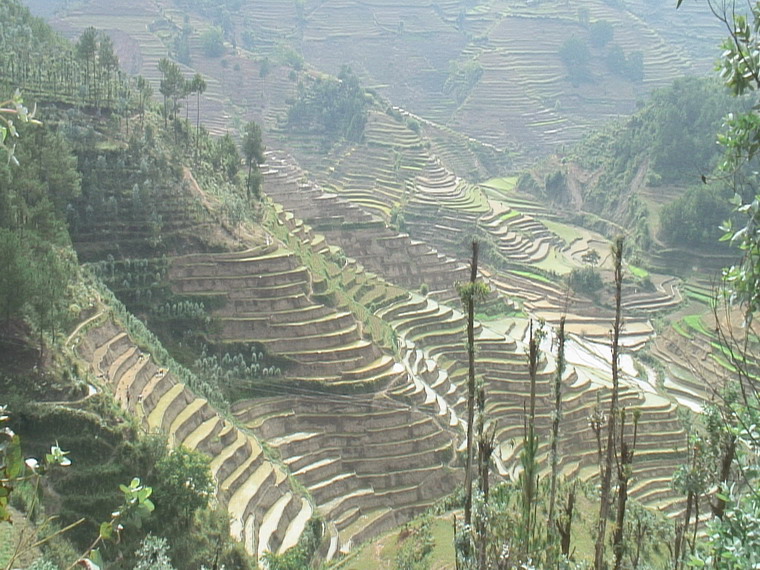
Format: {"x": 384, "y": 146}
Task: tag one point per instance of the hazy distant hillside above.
{"x": 528, "y": 76}
{"x": 493, "y": 69}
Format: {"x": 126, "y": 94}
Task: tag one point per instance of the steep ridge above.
{"x": 266, "y": 513}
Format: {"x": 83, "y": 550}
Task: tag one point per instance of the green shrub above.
{"x": 585, "y": 280}
{"x": 415, "y": 544}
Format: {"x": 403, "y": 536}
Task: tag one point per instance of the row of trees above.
{"x": 36, "y": 181}
{"x": 505, "y": 528}
{"x": 38, "y": 62}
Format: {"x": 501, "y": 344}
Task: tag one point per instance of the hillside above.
{"x": 308, "y": 343}
{"x": 648, "y": 172}
{"x": 456, "y": 64}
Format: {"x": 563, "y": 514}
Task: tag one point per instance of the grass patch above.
{"x": 509, "y": 215}
{"x": 534, "y": 276}
{"x": 556, "y": 262}
{"x": 682, "y": 331}
{"x": 724, "y": 363}
{"x": 638, "y": 272}
{"x": 698, "y": 296}
{"x": 505, "y": 184}
{"x": 381, "y": 553}
{"x": 694, "y": 322}
{"x": 568, "y": 233}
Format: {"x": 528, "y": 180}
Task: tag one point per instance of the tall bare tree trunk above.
{"x": 624, "y": 476}
{"x": 554, "y": 452}
{"x": 565, "y": 525}
{"x": 470, "y": 301}
{"x": 606, "y": 483}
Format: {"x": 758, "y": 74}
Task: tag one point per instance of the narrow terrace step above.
{"x": 200, "y": 433}
{"x": 156, "y": 416}
{"x": 252, "y": 486}
{"x": 329, "y": 466}
{"x": 347, "y": 517}
{"x": 243, "y": 469}
{"x": 225, "y": 455}
{"x": 336, "y": 505}
{"x": 190, "y": 410}
{"x": 271, "y": 521}
{"x": 100, "y": 354}
{"x": 123, "y": 390}
{"x": 296, "y": 526}
{"x": 117, "y": 346}
{"x": 113, "y": 374}
{"x": 365, "y": 520}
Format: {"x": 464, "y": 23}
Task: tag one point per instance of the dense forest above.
{"x": 212, "y": 357}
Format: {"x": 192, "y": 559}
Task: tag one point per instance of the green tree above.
{"x": 50, "y": 276}
{"x": 225, "y": 156}
{"x": 740, "y": 70}
{"x": 732, "y": 541}
{"x": 86, "y": 49}
{"x": 198, "y": 86}
{"x": 335, "y": 107}
{"x": 253, "y": 153}
{"x": 576, "y": 56}
{"x": 108, "y": 63}
{"x": 183, "y": 484}
{"x": 600, "y": 33}
{"x": 144, "y": 93}
{"x": 585, "y": 280}
{"x": 694, "y": 218}
{"x": 212, "y": 41}
{"x": 14, "y": 275}
{"x": 171, "y": 86}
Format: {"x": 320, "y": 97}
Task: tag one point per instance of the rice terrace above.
{"x": 378, "y": 284}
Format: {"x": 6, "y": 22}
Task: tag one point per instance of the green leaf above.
{"x": 13, "y": 458}
{"x": 678, "y": 4}
{"x": 5, "y": 514}
{"x": 96, "y": 560}
{"x": 106, "y": 530}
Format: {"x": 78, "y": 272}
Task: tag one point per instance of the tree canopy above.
{"x": 335, "y": 107}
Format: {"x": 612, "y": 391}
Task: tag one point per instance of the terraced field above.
{"x": 372, "y": 437}
{"x": 269, "y": 301}
{"x": 432, "y": 336}
{"x": 401, "y": 260}
{"x": 384, "y": 462}
{"x": 266, "y": 512}
{"x": 405, "y": 51}
{"x": 369, "y": 462}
